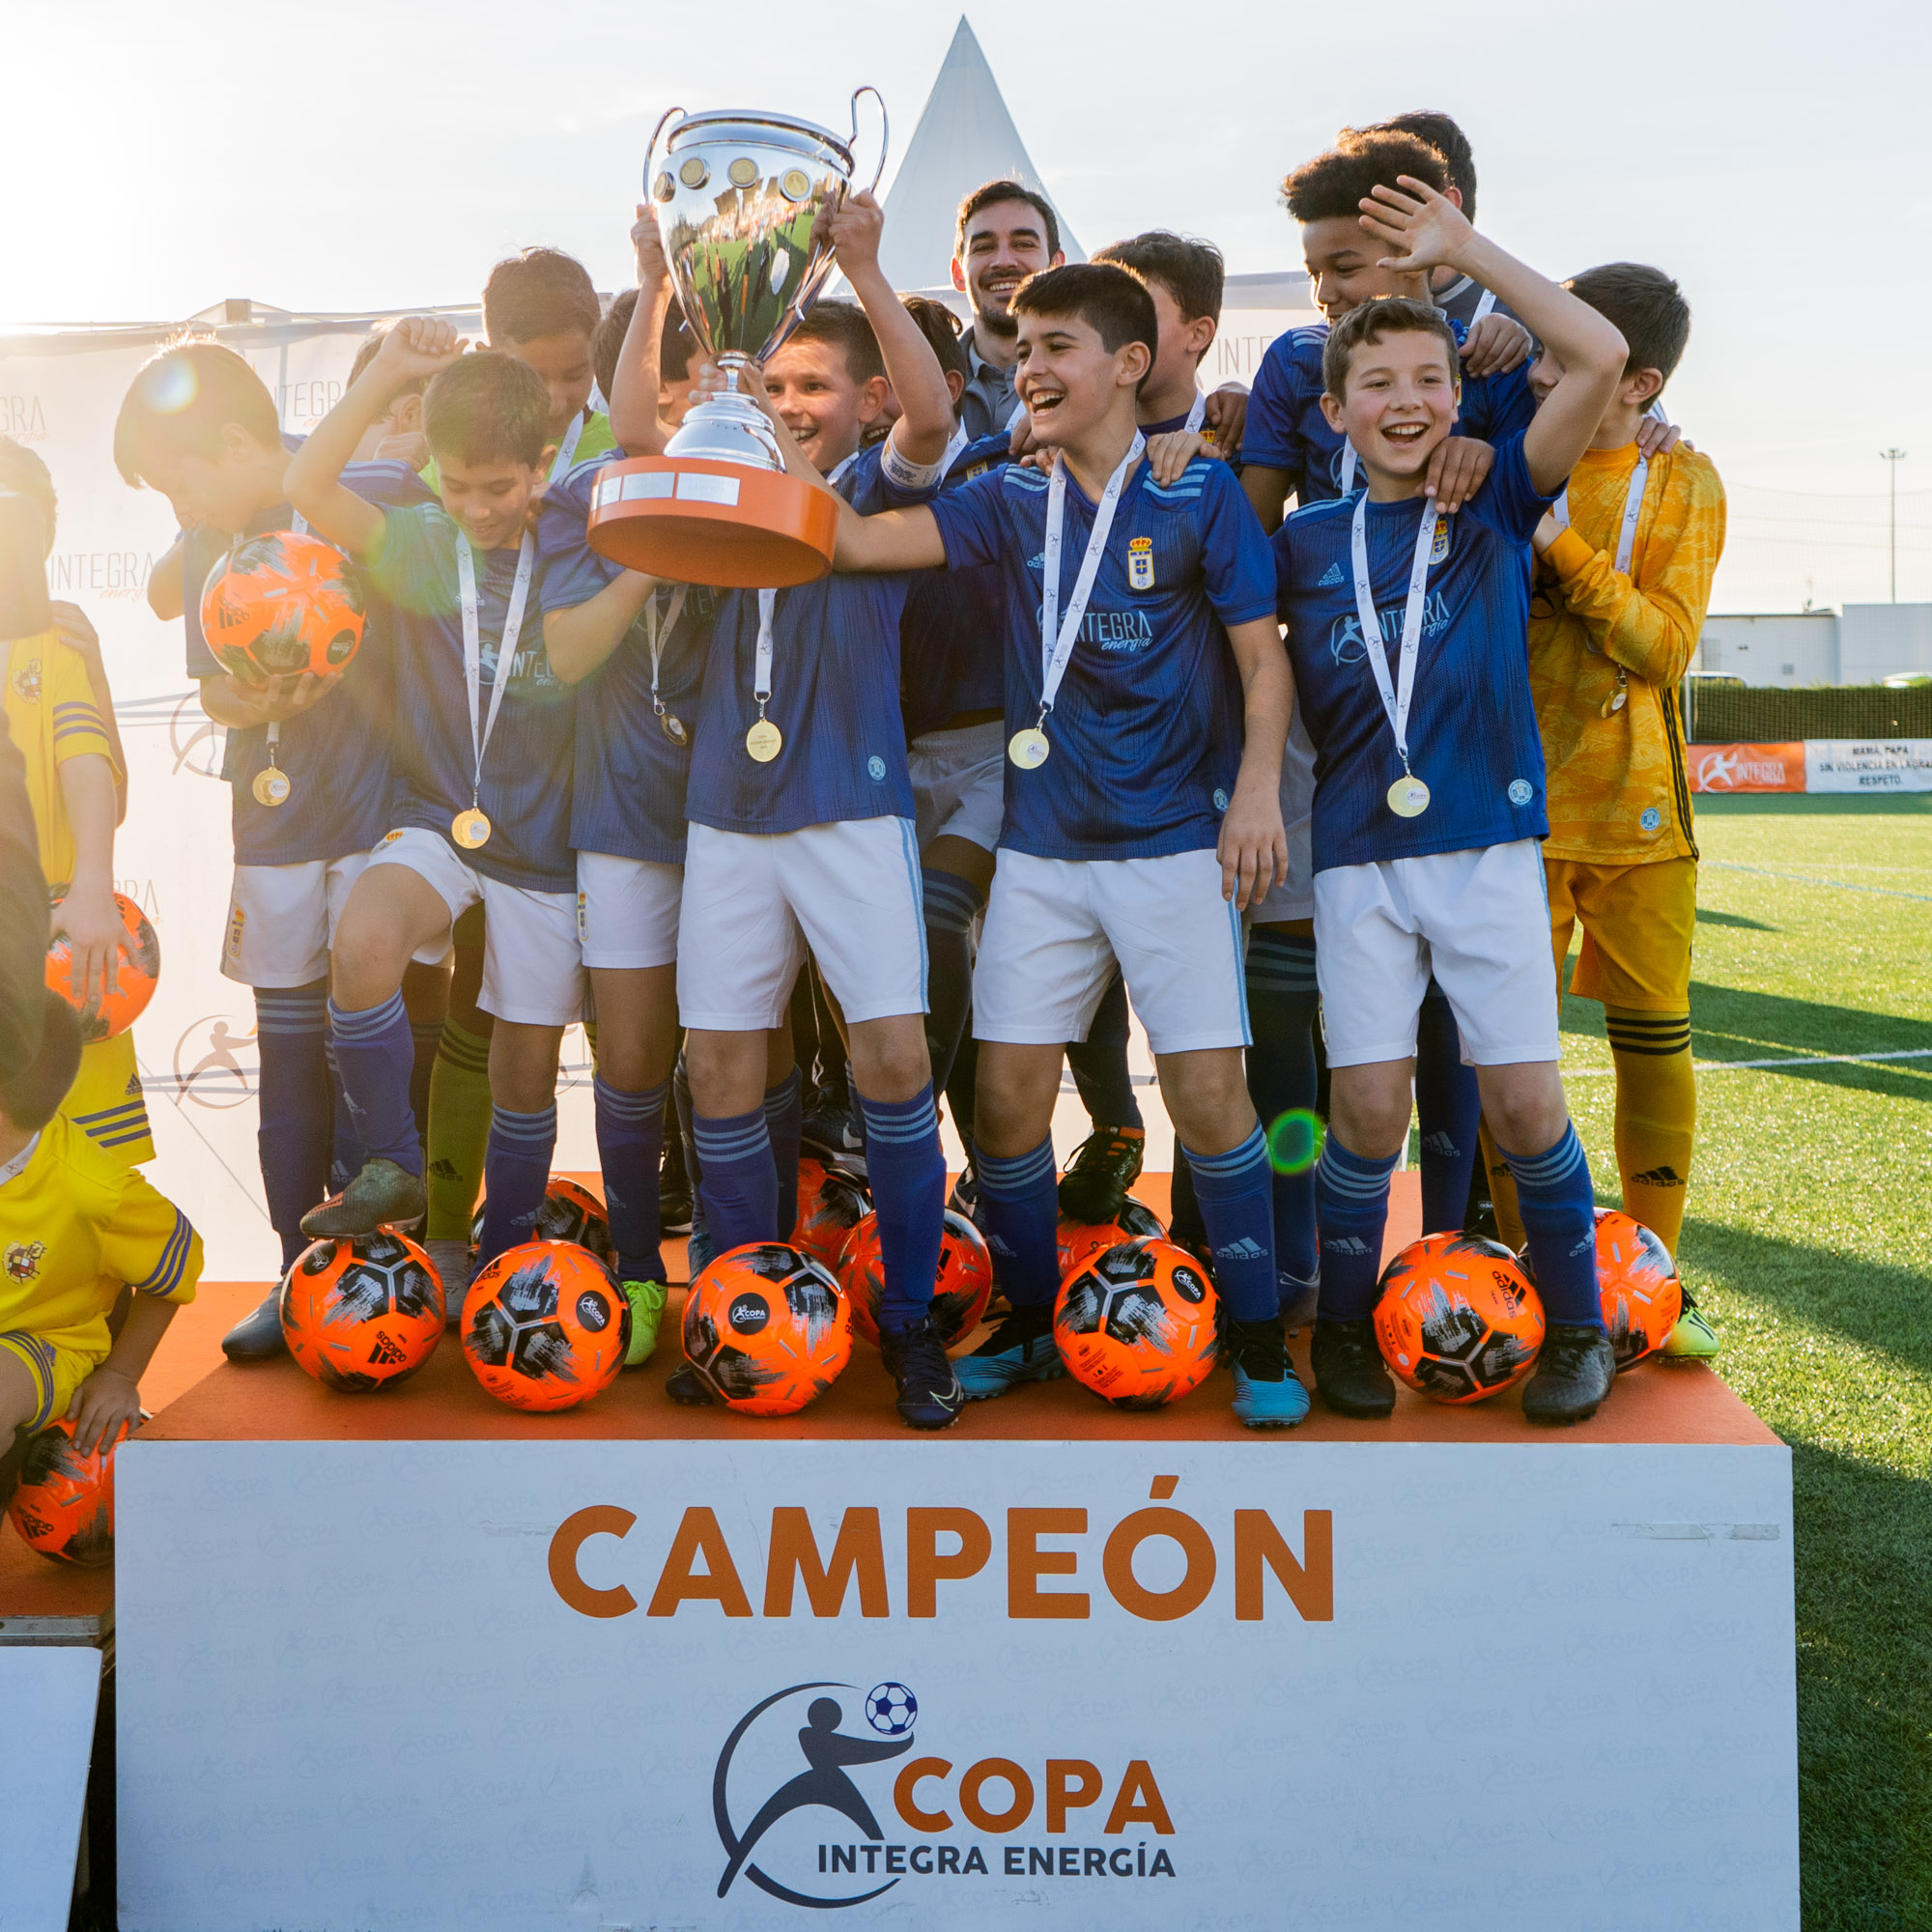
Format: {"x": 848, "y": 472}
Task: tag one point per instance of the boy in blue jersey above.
{"x": 1137, "y": 823}
{"x": 635, "y": 650}
{"x": 308, "y": 761}
{"x": 1409, "y": 629}
{"x": 802, "y": 818}
{"x": 481, "y": 807}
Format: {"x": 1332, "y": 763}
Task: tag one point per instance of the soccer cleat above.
{"x": 966, "y": 1195}
{"x": 1350, "y": 1371}
{"x": 684, "y": 1384}
{"x": 1573, "y": 1372}
{"x": 382, "y": 1195}
{"x": 673, "y": 1208}
{"x": 1693, "y": 1339}
{"x": 1298, "y": 1298}
{"x": 830, "y": 1136}
{"x": 1268, "y": 1392}
{"x": 258, "y": 1336}
{"x": 647, "y": 1307}
{"x": 700, "y": 1249}
{"x": 1107, "y": 1163}
{"x": 454, "y": 1261}
{"x": 929, "y": 1391}
{"x": 1020, "y": 1350}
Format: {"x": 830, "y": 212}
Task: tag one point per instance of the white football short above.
{"x": 1293, "y": 898}
{"x": 532, "y": 968}
{"x": 1479, "y": 920}
{"x": 754, "y": 901}
{"x": 1055, "y": 928}
{"x": 959, "y": 784}
{"x": 282, "y": 922}
{"x": 627, "y": 911}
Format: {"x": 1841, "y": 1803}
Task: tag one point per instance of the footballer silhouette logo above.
{"x": 748, "y": 1313}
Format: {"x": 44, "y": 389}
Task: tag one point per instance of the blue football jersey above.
{"x": 1286, "y": 429}
{"x": 337, "y": 753}
{"x": 953, "y": 653}
{"x": 835, "y": 694}
{"x": 1472, "y": 737}
{"x": 628, "y": 783}
{"x": 525, "y": 782}
{"x": 1146, "y": 728}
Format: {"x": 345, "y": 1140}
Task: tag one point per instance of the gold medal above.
{"x": 1408, "y": 797}
{"x": 672, "y": 727}
{"x": 469, "y": 829}
{"x": 765, "y": 740}
{"x": 270, "y": 786}
{"x": 1028, "y": 748}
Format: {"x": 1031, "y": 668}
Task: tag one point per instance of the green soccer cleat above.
{"x": 647, "y": 1307}
{"x": 1693, "y": 1339}
{"x": 382, "y": 1195}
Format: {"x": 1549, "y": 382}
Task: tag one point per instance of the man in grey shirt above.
{"x": 1006, "y": 232}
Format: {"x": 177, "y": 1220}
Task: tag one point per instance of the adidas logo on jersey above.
{"x": 1659, "y": 1177}
{"x": 1243, "y": 1250}
{"x": 1333, "y": 575}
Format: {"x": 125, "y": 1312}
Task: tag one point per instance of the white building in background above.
{"x": 1865, "y": 643}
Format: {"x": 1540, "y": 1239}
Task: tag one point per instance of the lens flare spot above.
{"x": 170, "y": 385}
{"x": 1294, "y": 1141}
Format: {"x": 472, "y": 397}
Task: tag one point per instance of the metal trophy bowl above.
{"x": 741, "y": 202}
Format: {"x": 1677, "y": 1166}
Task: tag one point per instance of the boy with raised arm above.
{"x": 481, "y": 810}
{"x": 1137, "y": 824}
{"x": 1407, "y": 630}
{"x": 801, "y": 816}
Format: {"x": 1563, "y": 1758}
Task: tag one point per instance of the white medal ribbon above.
{"x": 480, "y": 727}
{"x": 1347, "y": 467}
{"x": 660, "y": 634}
{"x": 954, "y": 444}
{"x": 566, "y": 450}
{"x": 1632, "y": 510}
{"x": 1395, "y": 697}
{"x": 298, "y": 527}
{"x": 1057, "y": 634}
{"x": 1197, "y": 415}
{"x": 1486, "y": 304}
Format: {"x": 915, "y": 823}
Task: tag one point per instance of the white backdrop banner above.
{"x": 555, "y": 1687}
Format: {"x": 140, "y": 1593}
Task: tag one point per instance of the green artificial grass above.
{"x": 1809, "y": 1240}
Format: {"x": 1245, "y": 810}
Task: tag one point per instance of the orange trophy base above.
{"x": 699, "y": 522}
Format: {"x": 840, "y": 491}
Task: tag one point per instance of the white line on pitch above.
{"x": 1808, "y": 1060}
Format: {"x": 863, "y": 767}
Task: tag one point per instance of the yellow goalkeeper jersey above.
{"x": 74, "y": 1225}
{"x": 49, "y": 709}
{"x": 1617, "y": 788}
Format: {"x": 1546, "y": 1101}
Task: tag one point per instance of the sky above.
{"x": 380, "y": 155}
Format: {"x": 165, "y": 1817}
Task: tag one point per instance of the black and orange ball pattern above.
{"x": 767, "y": 1329}
{"x": 1136, "y": 1323}
{"x": 280, "y": 605}
{"x": 546, "y": 1325}
{"x": 362, "y": 1315}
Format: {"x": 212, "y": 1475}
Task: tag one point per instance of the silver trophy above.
{"x": 741, "y": 200}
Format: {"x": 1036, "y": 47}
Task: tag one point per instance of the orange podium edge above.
{"x": 699, "y": 521}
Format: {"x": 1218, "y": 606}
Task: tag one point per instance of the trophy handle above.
{"x": 885, "y": 133}
{"x": 652, "y": 149}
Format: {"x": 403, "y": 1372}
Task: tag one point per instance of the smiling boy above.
{"x": 1407, "y": 627}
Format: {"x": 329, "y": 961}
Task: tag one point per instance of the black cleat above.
{"x": 382, "y": 1195}
{"x": 830, "y": 1136}
{"x": 929, "y": 1392}
{"x": 258, "y": 1336}
{"x": 1350, "y": 1371}
{"x": 684, "y": 1384}
{"x": 673, "y": 1208}
{"x": 1107, "y": 1163}
{"x": 1574, "y": 1374}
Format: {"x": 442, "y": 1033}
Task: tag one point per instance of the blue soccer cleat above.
{"x": 1268, "y": 1392}
{"x": 1020, "y": 1350}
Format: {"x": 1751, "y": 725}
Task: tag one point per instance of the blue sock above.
{"x": 1019, "y": 1210}
{"x": 375, "y": 1052}
{"x": 1100, "y": 1063}
{"x": 908, "y": 1176}
{"x": 1237, "y": 1195}
{"x": 785, "y": 1120}
{"x": 1559, "y": 1218}
{"x": 1282, "y": 1003}
{"x": 1450, "y": 1108}
{"x": 952, "y": 905}
{"x": 294, "y": 1097}
{"x": 346, "y": 1152}
{"x": 740, "y": 1185}
{"x": 1352, "y": 1199}
{"x": 515, "y": 1171}
{"x": 630, "y": 1148}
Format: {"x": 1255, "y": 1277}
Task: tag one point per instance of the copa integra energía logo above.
{"x": 825, "y": 1794}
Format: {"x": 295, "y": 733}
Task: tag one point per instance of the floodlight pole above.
{"x": 1893, "y": 458}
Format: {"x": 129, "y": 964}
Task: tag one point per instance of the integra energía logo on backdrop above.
{"x": 817, "y": 1862}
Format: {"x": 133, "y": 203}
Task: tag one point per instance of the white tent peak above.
{"x": 965, "y": 136}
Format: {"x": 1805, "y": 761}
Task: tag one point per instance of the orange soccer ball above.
{"x": 1458, "y": 1320}
{"x": 65, "y": 1505}
{"x": 767, "y": 1329}
{"x": 1637, "y": 1284}
{"x": 546, "y": 1325}
{"x": 831, "y": 1203}
{"x": 362, "y": 1315}
{"x": 1079, "y": 1241}
{"x": 570, "y": 1212}
{"x": 959, "y": 1296}
{"x": 280, "y": 605}
{"x": 137, "y": 971}
{"x": 1136, "y": 1323}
